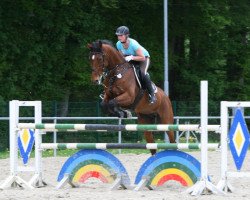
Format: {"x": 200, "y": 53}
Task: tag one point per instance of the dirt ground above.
{"x": 94, "y": 189}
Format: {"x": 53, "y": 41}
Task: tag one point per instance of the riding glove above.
{"x": 129, "y": 58}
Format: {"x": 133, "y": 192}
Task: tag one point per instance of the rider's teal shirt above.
{"x": 133, "y": 47}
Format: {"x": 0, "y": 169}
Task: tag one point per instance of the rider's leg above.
{"x": 146, "y": 80}
{"x": 148, "y": 84}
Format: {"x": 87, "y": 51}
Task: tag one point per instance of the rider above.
{"x": 133, "y": 51}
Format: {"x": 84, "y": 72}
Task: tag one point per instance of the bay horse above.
{"x": 122, "y": 90}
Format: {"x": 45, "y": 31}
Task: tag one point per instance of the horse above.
{"x": 122, "y": 91}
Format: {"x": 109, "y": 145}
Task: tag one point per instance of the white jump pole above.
{"x": 203, "y": 185}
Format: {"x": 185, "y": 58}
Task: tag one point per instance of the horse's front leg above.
{"x": 113, "y": 106}
{"x": 115, "y": 109}
{"x": 125, "y": 99}
{"x": 104, "y": 106}
{"x": 108, "y": 106}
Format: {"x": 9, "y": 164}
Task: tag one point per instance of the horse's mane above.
{"x": 106, "y": 47}
{"x": 108, "y": 42}
{"x": 96, "y": 45}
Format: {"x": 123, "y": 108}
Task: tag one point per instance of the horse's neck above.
{"x": 115, "y": 58}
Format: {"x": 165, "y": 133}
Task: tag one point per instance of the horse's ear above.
{"x": 89, "y": 45}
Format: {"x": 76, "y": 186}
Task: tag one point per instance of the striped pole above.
{"x": 167, "y": 146}
{"x": 112, "y": 127}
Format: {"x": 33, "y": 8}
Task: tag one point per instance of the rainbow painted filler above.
{"x": 94, "y": 163}
{"x": 169, "y": 165}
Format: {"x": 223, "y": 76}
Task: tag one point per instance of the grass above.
{"x": 4, "y": 154}
{"x": 70, "y": 152}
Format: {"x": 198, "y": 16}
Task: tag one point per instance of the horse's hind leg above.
{"x": 166, "y": 116}
{"x": 171, "y": 136}
{"x": 150, "y": 139}
{"x": 147, "y": 134}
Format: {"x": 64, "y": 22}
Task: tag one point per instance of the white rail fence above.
{"x": 178, "y": 120}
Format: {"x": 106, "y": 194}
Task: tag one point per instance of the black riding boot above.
{"x": 147, "y": 83}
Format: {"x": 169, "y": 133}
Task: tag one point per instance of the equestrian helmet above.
{"x": 122, "y": 30}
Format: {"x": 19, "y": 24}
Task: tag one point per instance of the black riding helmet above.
{"x": 122, "y": 30}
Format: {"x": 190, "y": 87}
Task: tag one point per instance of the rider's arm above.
{"x": 138, "y": 51}
{"x": 121, "y": 52}
{"x": 139, "y": 55}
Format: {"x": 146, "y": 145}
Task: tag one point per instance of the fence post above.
{"x": 55, "y": 138}
{"x": 119, "y": 135}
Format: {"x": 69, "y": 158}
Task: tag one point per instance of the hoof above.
{"x": 128, "y": 114}
{"x": 120, "y": 114}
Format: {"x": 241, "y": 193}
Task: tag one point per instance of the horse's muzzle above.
{"x": 96, "y": 82}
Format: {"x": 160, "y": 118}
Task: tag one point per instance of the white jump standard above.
{"x": 225, "y": 174}
{"x": 14, "y": 180}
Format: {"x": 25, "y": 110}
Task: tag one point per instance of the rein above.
{"x": 114, "y": 74}
{"x": 105, "y": 69}
{"x": 108, "y": 70}
{"x": 118, "y": 75}
{"x": 115, "y": 68}
{"x": 111, "y": 74}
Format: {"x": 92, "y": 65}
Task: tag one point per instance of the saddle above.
{"x": 139, "y": 77}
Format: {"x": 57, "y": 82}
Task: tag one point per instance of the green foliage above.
{"x": 44, "y": 55}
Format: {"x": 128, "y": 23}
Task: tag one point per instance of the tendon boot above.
{"x": 148, "y": 85}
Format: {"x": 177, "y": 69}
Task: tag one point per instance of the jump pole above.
{"x": 104, "y": 146}
{"x": 49, "y": 127}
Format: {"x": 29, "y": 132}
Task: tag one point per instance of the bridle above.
{"x": 104, "y": 69}
{"x": 111, "y": 73}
